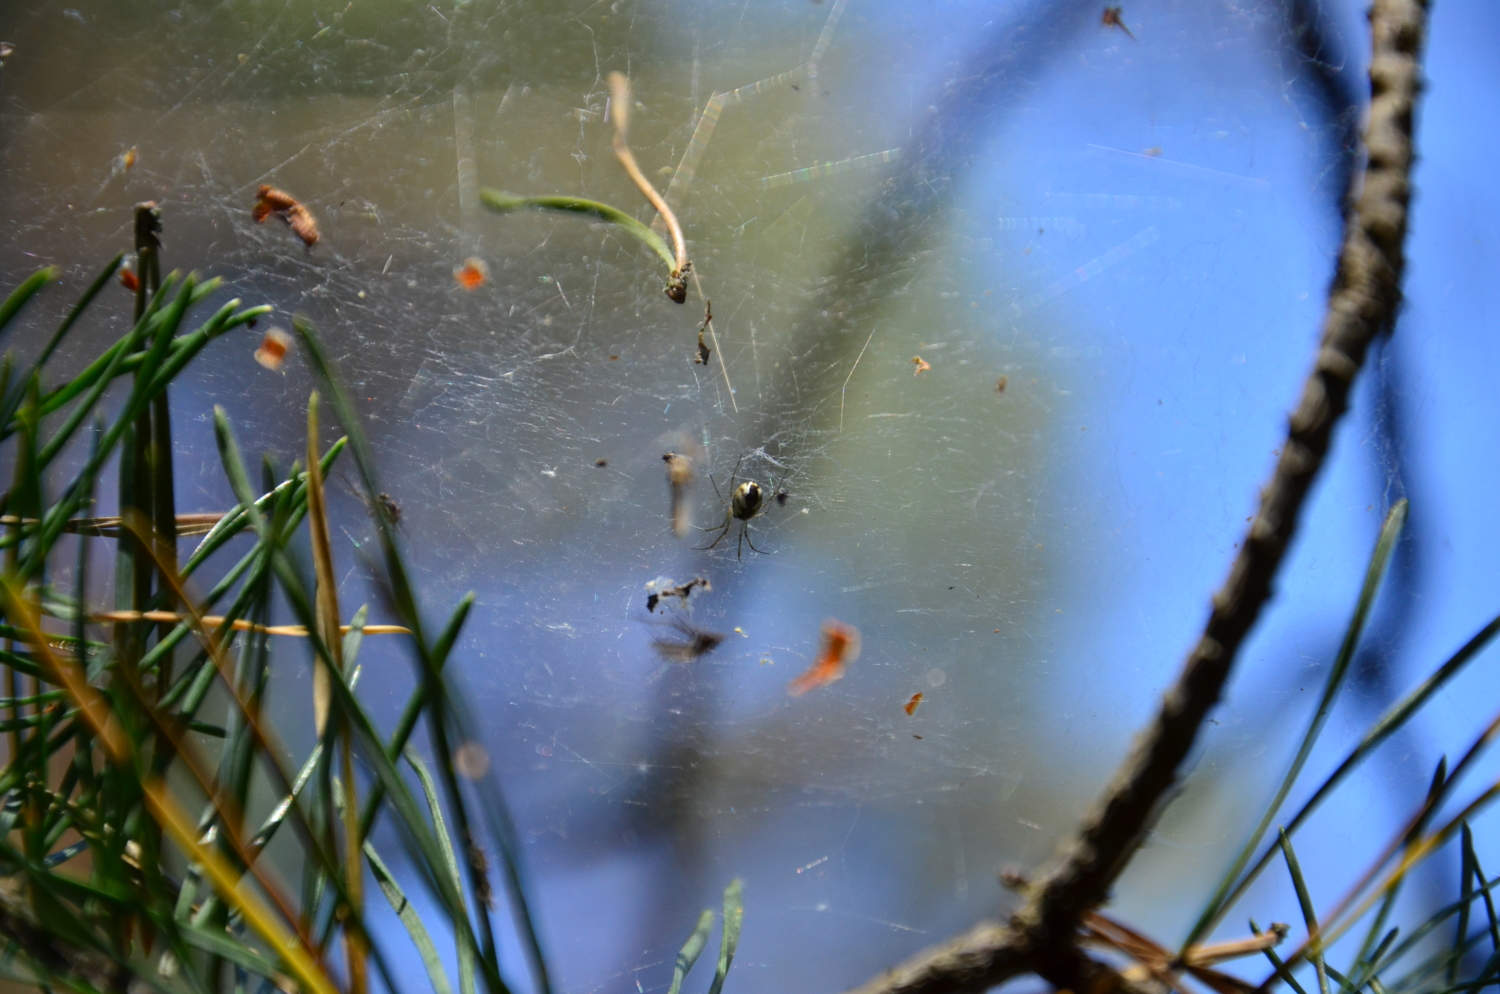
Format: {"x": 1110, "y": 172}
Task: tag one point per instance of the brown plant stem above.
{"x": 619, "y": 109}
{"x": 1362, "y": 303}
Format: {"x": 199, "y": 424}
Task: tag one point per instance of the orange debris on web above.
{"x": 472, "y": 274}
{"x": 840, "y": 648}
{"x": 273, "y": 349}
{"x": 269, "y": 200}
{"x": 1112, "y": 19}
{"x": 129, "y": 280}
{"x": 911, "y": 705}
{"x": 921, "y": 364}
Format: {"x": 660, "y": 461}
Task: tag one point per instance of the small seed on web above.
{"x": 471, "y": 761}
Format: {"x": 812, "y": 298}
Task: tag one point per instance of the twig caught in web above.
{"x": 1363, "y": 302}
{"x": 619, "y": 113}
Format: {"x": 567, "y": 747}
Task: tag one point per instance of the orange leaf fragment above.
{"x": 273, "y": 349}
{"x": 840, "y": 648}
{"x": 269, "y": 200}
{"x": 472, "y": 274}
{"x": 911, "y": 705}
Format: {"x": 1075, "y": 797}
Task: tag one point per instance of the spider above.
{"x": 746, "y": 502}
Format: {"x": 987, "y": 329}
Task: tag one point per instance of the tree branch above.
{"x": 1362, "y": 303}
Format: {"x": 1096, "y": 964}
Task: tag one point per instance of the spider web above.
{"x": 1015, "y": 336}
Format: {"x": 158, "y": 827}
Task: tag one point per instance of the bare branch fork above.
{"x": 1366, "y": 293}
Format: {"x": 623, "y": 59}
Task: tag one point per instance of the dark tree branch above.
{"x": 1362, "y": 303}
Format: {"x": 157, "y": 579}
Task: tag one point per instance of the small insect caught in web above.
{"x": 701, "y": 356}
{"x": 840, "y": 648}
{"x": 124, "y": 162}
{"x": 1113, "y": 19}
{"x": 663, "y": 589}
{"x": 129, "y": 280}
{"x": 275, "y": 345}
{"x": 921, "y": 364}
{"x": 1001, "y": 384}
{"x": 695, "y": 643}
{"x": 385, "y": 505}
{"x": 910, "y": 707}
{"x": 472, "y": 274}
{"x": 269, "y": 200}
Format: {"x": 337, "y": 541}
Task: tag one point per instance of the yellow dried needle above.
{"x": 327, "y": 617}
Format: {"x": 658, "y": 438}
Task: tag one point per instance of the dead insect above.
{"x": 910, "y": 706}
{"x": 1112, "y": 19}
{"x": 840, "y": 648}
{"x": 662, "y": 589}
{"x": 129, "y": 280}
{"x": 273, "y": 350}
{"x": 746, "y": 503}
{"x": 782, "y": 496}
{"x": 676, "y": 288}
{"x": 921, "y": 364}
{"x": 699, "y": 643}
{"x": 269, "y": 200}
{"x": 123, "y": 162}
{"x": 1001, "y": 384}
{"x": 472, "y": 274}
{"x": 701, "y": 358}
{"x": 679, "y": 475}
{"x": 601, "y": 463}
{"x": 385, "y": 505}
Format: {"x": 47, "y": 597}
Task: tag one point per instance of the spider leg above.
{"x": 722, "y": 532}
{"x": 745, "y": 534}
{"x": 728, "y": 516}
